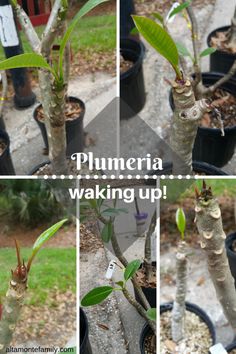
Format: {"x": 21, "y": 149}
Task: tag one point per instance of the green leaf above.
{"x": 134, "y": 31}
{"x": 131, "y": 269}
{"x": 207, "y": 51}
{"x": 152, "y": 314}
{"x": 159, "y": 39}
{"x": 93, "y": 203}
{"x": 107, "y": 232}
{"x": 96, "y": 296}
{"x": 180, "y": 221}
{"x": 183, "y": 50}
{"x": 27, "y": 60}
{"x": 88, "y": 6}
{"x": 120, "y": 283}
{"x": 158, "y": 16}
{"x": 45, "y": 236}
{"x": 179, "y": 8}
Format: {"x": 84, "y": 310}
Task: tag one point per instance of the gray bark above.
{"x": 178, "y": 312}
{"x": 187, "y": 116}
{"x": 209, "y": 224}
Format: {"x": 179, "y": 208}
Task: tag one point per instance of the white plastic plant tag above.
{"x": 8, "y": 33}
{"x": 110, "y": 269}
{"x": 218, "y": 349}
{"x": 176, "y": 4}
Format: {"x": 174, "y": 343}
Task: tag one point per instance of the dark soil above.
{"x": 72, "y": 111}
{"x": 2, "y": 146}
{"x": 226, "y": 104}
{"x": 150, "y": 344}
{"x": 142, "y": 278}
{"x": 169, "y": 235}
{"x": 232, "y": 351}
{"x": 125, "y": 65}
{"x": 221, "y": 42}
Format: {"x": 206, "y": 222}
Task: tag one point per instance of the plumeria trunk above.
{"x": 187, "y": 115}
{"x": 12, "y": 306}
{"x": 178, "y": 312}
{"x": 209, "y": 224}
{"x": 147, "y": 250}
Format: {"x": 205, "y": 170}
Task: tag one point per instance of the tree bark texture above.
{"x": 178, "y": 312}
{"x": 209, "y": 224}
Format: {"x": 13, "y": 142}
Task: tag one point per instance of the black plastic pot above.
{"x": 231, "y": 254}
{"x": 209, "y": 145}
{"x": 220, "y": 61}
{"x": 197, "y": 311}
{"x": 85, "y": 347}
{"x": 132, "y": 89}
{"x": 146, "y": 331}
{"x": 150, "y": 293}
{"x": 231, "y": 347}
{"x": 74, "y": 130}
{"x": 6, "y": 166}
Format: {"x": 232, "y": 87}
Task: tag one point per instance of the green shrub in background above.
{"x": 31, "y": 202}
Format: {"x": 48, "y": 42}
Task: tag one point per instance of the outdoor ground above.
{"x": 48, "y": 317}
{"x": 200, "y": 290}
{"x": 93, "y": 67}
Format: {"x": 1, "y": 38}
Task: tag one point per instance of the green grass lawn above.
{"x": 52, "y": 268}
{"x": 97, "y": 33}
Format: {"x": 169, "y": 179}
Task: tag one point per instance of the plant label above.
{"x": 218, "y": 349}
{"x": 8, "y": 33}
{"x": 110, "y": 269}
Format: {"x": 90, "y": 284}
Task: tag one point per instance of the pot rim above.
{"x": 228, "y": 243}
{"x": 219, "y": 29}
{"x": 139, "y": 60}
{"x": 73, "y": 99}
{"x": 197, "y": 310}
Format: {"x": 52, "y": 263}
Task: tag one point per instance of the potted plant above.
{"x": 53, "y": 74}
{"x": 190, "y": 96}
{"x": 181, "y": 320}
{"x": 132, "y": 88}
{"x": 13, "y": 302}
{"x": 209, "y": 224}
{"x": 224, "y": 40}
{"x": 106, "y": 216}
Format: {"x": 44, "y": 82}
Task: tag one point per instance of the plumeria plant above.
{"x": 53, "y": 75}
{"x": 106, "y": 215}
{"x": 13, "y": 302}
{"x": 191, "y": 97}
